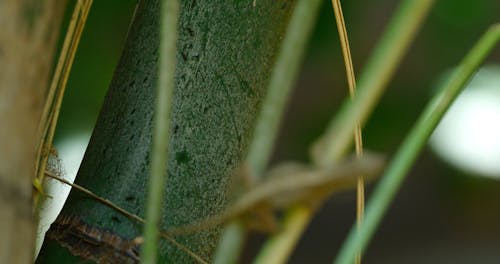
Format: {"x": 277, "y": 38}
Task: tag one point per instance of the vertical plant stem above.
{"x": 373, "y": 80}
{"x": 282, "y": 79}
{"x": 231, "y": 243}
{"x": 295, "y": 220}
{"x": 358, "y": 138}
{"x": 380, "y": 69}
{"x": 406, "y": 155}
{"x": 344, "y": 44}
{"x": 169, "y": 14}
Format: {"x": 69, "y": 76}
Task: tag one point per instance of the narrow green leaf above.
{"x": 283, "y": 77}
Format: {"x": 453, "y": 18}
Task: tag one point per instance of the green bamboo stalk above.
{"x": 283, "y": 77}
{"x": 413, "y": 144}
{"x": 373, "y": 81}
{"x": 380, "y": 68}
{"x": 169, "y": 17}
{"x": 221, "y": 77}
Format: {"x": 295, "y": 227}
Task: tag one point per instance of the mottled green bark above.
{"x": 225, "y": 53}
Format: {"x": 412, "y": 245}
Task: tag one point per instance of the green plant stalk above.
{"x": 295, "y": 220}
{"x": 169, "y": 16}
{"x": 413, "y": 144}
{"x": 381, "y": 66}
{"x": 373, "y": 81}
{"x": 282, "y": 79}
{"x": 231, "y": 243}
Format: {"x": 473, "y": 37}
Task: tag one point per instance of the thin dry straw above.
{"x": 351, "y": 80}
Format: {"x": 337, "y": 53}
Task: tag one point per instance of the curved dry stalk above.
{"x": 358, "y": 138}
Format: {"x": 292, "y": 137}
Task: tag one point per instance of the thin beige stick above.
{"x": 358, "y": 140}
{"x": 124, "y": 212}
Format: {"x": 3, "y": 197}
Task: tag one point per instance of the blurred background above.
{"x": 448, "y": 210}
